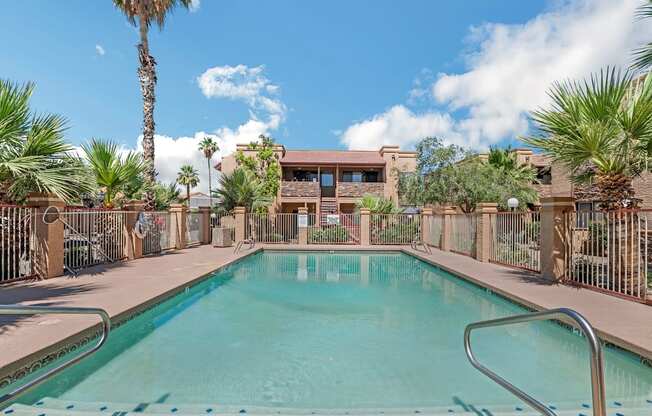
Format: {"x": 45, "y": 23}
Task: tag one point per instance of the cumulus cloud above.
{"x": 509, "y": 70}
{"x": 194, "y": 5}
{"x": 100, "y": 50}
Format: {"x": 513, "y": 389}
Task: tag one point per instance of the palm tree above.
{"x": 506, "y": 161}
{"x": 143, "y": 13}
{"x": 166, "y": 194}
{"x": 601, "y": 130}
{"x": 189, "y": 178}
{"x": 112, "y": 171}
{"x": 33, "y": 154}
{"x": 377, "y": 205}
{"x": 643, "y": 55}
{"x": 209, "y": 147}
{"x": 241, "y": 188}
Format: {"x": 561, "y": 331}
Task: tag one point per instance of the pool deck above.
{"x": 126, "y": 288}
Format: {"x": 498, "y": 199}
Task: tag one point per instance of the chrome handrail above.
{"x": 597, "y": 372}
{"x": 43, "y": 310}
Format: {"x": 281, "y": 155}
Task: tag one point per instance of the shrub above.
{"x": 329, "y": 234}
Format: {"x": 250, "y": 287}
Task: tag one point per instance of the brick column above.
{"x": 365, "y": 228}
{"x": 486, "y": 212}
{"x": 303, "y": 226}
{"x": 133, "y": 244}
{"x": 239, "y": 214}
{"x": 447, "y": 228}
{"x": 48, "y": 235}
{"x": 553, "y": 236}
{"x": 178, "y": 225}
{"x": 205, "y": 215}
{"x": 426, "y": 216}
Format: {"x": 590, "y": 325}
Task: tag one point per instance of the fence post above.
{"x": 178, "y": 214}
{"x": 205, "y": 232}
{"x": 302, "y": 226}
{"x": 133, "y": 244}
{"x": 48, "y": 238}
{"x": 239, "y": 215}
{"x": 426, "y": 216}
{"x": 553, "y": 236}
{"x": 365, "y": 229}
{"x": 485, "y": 211}
{"x": 447, "y": 228}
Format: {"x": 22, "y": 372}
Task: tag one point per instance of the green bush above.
{"x": 329, "y": 234}
{"x": 397, "y": 233}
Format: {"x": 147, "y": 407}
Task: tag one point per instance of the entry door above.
{"x": 327, "y": 183}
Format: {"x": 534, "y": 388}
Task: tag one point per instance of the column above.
{"x": 553, "y": 236}
{"x": 133, "y": 244}
{"x": 205, "y": 215}
{"x": 239, "y": 214}
{"x": 178, "y": 225}
{"x": 447, "y": 228}
{"x": 302, "y": 225}
{"x": 426, "y": 217}
{"x": 365, "y": 229}
{"x": 486, "y": 213}
{"x": 48, "y": 235}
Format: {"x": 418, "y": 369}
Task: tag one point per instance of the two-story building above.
{"x": 332, "y": 181}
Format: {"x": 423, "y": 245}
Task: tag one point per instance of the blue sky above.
{"x": 336, "y": 74}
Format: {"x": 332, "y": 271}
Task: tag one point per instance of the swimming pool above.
{"x": 306, "y": 331}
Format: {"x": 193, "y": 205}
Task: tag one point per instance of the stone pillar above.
{"x": 426, "y": 216}
{"x": 205, "y": 215}
{"x": 302, "y": 223}
{"x": 553, "y": 236}
{"x": 239, "y": 214}
{"x": 133, "y": 244}
{"x": 48, "y": 235}
{"x": 486, "y": 213}
{"x": 447, "y": 228}
{"x": 365, "y": 228}
{"x": 178, "y": 225}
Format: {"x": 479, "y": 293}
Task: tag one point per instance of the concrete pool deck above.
{"x": 124, "y": 289}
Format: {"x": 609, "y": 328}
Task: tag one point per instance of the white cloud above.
{"x": 194, "y": 5}
{"x": 100, "y": 50}
{"x": 510, "y": 68}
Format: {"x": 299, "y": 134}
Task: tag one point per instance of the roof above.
{"x": 540, "y": 160}
{"x": 332, "y": 157}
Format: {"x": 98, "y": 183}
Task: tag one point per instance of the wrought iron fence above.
{"x": 395, "y": 228}
{"x": 516, "y": 239}
{"x": 93, "y": 237}
{"x": 157, "y": 237}
{"x": 272, "y": 228}
{"x": 194, "y": 227}
{"x": 463, "y": 234}
{"x": 435, "y": 224}
{"x": 15, "y": 243}
{"x": 334, "y": 229}
{"x": 610, "y": 251}
{"x": 226, "y": 221}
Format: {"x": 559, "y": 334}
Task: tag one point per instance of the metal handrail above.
{"x": 597, "y": 373}
{"x": 45, "y": 310}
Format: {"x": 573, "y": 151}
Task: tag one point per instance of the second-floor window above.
{"x": 359, "y": 176}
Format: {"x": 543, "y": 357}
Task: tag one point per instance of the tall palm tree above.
{"x": 643, "y": 55}
{"x": 143, "y": 13}
{"x": 189, "y": 178}
{"x": 209, "y": 147}
{"x": 34, "y": 156}
{"x": 112, "y": 171}
{"x": 241, "y": 188}
{"x": 601, "y": 130}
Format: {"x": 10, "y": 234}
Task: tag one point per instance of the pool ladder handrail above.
{"x": 596, "y": 360}
{"x": 48, "y": 310}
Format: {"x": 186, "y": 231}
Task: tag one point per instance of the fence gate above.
{"x": 16, "y": 243}
{"x": 157, "y": 232}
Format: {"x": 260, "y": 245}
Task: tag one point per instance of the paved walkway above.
{"x": 124, "y": 288}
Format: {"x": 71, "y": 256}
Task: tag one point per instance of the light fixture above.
{"x": 512, "y": 203}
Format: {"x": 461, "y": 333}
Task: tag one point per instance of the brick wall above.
{"x": 358, "y": 189}
{"x": 300, "y": 189}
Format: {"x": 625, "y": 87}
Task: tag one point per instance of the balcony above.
{"x": 358, "y": 189}
{"x": 302, "y": 189}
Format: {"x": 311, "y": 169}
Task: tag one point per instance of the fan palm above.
{"x": 506, "y": 161}
{"x": 33, "y": 154}
{"x": 241, "y": 188}
{"x": 643, "y": 55}
{"x": 377, "y": 205}
{"x": 601, "y": 130}
{"x": 143, "y": 13}
{"x": 189, "y": 178}
{"x": 209, "y": 147}
{"x": 112, "y": 171}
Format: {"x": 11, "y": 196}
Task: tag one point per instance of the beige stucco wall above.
{"x": 396, "y": 159}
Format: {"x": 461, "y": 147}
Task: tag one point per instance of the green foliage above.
{"x": 432, "y": 154}
{"x": 506, "y": 161}
{"x": 33, "y": 154}
{"x": 241, "y": 188}
{"x": 328, "y": 234}
{"x": 643, "y": 55}
{"x": 264, "y": 165}
{"x": 149, "y": 11}
{"x": 189, "y": 178}
{"x": 377, "y": 205}
{"x": 395, "y": 232}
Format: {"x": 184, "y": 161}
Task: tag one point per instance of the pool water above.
{"x": 344, "y": 330}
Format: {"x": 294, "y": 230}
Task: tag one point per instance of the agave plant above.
{"x": 112, "y": 170}
{"x": 601, "y": 130}
{"x": 241, "y": 188}
{"x": 34, "y": 156}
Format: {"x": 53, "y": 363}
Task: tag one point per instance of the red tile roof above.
{"x": 332, "y": 157}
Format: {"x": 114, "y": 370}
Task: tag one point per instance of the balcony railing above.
{"x": 300, "y": 189}
{"x": 358, "y": 189}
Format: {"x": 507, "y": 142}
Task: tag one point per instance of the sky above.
{"x": 339, "y": 74}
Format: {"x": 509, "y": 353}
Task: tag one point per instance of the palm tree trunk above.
{"x": 188, "y": 195}
{"x": 147, "y": 77}
{"x": 210, "y": 189}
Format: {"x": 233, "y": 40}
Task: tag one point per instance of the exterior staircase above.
{"x": 328, "y": 205}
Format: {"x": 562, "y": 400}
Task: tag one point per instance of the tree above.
{"x": 165, "y": 195}
{"x": 601, "y": 131}
{"x": 33, "y": 154}
{"x": 377, "y": 205}
{"x": 263, "y": 165}
{"x": 112, "y": 171}
{"x": 241, "y": 188}
{"x": 209, "y": 147}
{"x": 143, "y": 13}
{"x": 643, "y": 55}
{"x": 189, "y": 178}
{"x": 506, "y": 160}
{"x": 432, "y": 154}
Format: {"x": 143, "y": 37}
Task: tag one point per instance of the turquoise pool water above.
{"x": 346, "y": 330}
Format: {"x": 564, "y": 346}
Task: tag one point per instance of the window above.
{"x": 585, "y": 214}
{"x": 544, "y": 176}
{"x": 359, "y": 176}
{"x": 326, "y": 179}
{"x": 305, "y": 176}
